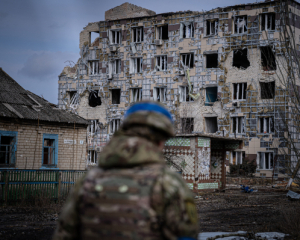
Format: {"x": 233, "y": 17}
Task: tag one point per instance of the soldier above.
{"x": 132, "y": 194}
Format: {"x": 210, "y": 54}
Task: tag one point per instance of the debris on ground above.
{"x": 240, "y": 235}
{"x": 247, "y": 189}
{"x": 293, "y": 195}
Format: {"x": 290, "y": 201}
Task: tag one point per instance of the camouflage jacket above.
{"x": 132, "y": 195}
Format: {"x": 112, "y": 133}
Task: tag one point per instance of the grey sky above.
{"x": 38, "y": 36}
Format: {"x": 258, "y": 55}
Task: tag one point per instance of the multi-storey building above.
{"x": 216, "y": 71}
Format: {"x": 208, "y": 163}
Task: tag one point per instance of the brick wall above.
{"x": 30, "y": 144}
{"x": 127, "y": 10}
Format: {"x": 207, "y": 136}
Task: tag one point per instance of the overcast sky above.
{"x": 38, "y": 36}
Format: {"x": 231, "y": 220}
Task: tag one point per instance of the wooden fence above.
{"x": 20, "y": 185}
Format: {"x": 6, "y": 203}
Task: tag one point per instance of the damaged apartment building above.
{"x": 216, "y": 71}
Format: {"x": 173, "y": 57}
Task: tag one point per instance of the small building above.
{"x": 201, "y": 159}
{"x": 35, "y": 134}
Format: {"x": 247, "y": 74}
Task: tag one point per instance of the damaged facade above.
{"x": 215, "y": 71}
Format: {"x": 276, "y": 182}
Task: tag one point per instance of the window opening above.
{"x": 268, "y": 21}
{"x": 211, "y": 124}
{"x": 161, "y": 63}
{"x": 184, "y": 94}
{"x": 114, "y": 125}
{"x": 187, "y": 125}
{"x": 49, "y": 152}
{"x": 92, "y": 157}
{"x": 162, "y": 32}
{"x": 187, "y": 30}
{"x": 116, "y": 66}
{"x": 71, "y": 94}
{"x": 159, "y": 94}
{"x": 94, "y": 36}
{"x": 237, "y": 157}
{"x": 93, "y": 127}
{"x": 212, "y": 27}
{"x": 136, "y": 94}
{"x": 187, "y": 60}
{"x": 115, "y": 36}
{"x": 6, "y": 150}
{"x": 268, "y": 60}
{"x": 94, "y": 67}
{"x": 266, "y": 125}
{"x": 240, "y": 58}
{"x": 240, "y": 24}
{"x": 211, "y": 95}
{"x": 265, "y": 160}
{"x": 116, "y": 95}
{"x": 94, "y": 99}
{"x": 136, "y": 65}
{"x": 137, "y": 34}
{"x": 238, "y": 124}
{"x": 239, "y": 91}
{"x": 212, "y": 60}
{"x": 267, "y": 90}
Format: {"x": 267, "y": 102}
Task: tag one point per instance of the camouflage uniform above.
{"x": 132, "y": 195}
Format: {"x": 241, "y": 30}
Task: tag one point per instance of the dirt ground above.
{"x": 267, "y": 210}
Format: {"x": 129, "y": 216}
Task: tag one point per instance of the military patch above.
{"x": 191, "y": 211}
{"x": 123, "y": 189}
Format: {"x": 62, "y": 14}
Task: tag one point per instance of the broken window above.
{"x": 93, "y": 127}
{"x": 50, "y": 144}
{"x": 268, "y": 21}
{"x": 266, "y": 125}
{"x": 212, "y": 60}
{"x": 94, "y": 36}
{"x": 116, "y": 66}
{"x": 187, "y": 60}
{"x": 211, "y": 124}
{"x": 162, "y": 32}
{"x": 184, "y": 95}
{"x": 212, "y": 27}
{"x": 239, "y": 91}
{"x": 237, "y": 124}
{"x": 268, "y": 60}
{"x": 211, "y": 95}
{"x": 136, "y": 65}
{"x": 237, "y": 157}
{"x": 114, "y": 125}
{"x": 186, "y": 30}
{"x": 137, "y": 34}
{"x": 267, "y": 90}
{"x": 94, "y": 67}
{"x": 7, "y": 149}
{"x": 159, "y": 94}
{"x": 187, "y": 125}
{"x": 240, "y": 24}
{"x": 94, "y": 99}
{"x": 265, "y": 160}
{"x": 115, "y": 36}
{"x": 92, "y": 157}
{"x": 136, "y": 94}
{"x": 161, "y": 63}
{"x": 240, "y": 59}
{"x": 115, "y": 96}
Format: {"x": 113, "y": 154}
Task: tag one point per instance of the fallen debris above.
{"x": 241, "y": 235}
{"x": 293, "y": 195}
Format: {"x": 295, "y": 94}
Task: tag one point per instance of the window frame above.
{"x": 92, "y": 154}
{"x": 134, "y": 65}
{"x": 264, "y": 19}
{"x": 14, "y": 135}
{"x": 115, "y": 66}
{"x": 237, "y": 87}
{"x": 267, "y": 93}
{"x": 114, "y": 125}
{"x": 236, "y": 29}
{"x": 215, "y": 22}
{"x": 210, "y": 103}
{"x": 162, "y": 59}
{"x": 183, "y": 92}
{"x": 111, "y": 90}
{"x": 159, "y": 32}
{"x": 238, "y": 124}
{"x": 111, "y": 37}
{"x": 189, "y": 56}
{"x": 136, "y": 97}
{"x": 259, "y": 158}
{"x": 55, "y": 138}
{"x": 160, "y": 89}
{"x": 241, "y": 157}
{"x": 94, "y": 68}
{"x": 134, "y": 32}
{"x": 268, "y": 125}
{"x": 189, "y": 123}
{"x": 184, "y": 29}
